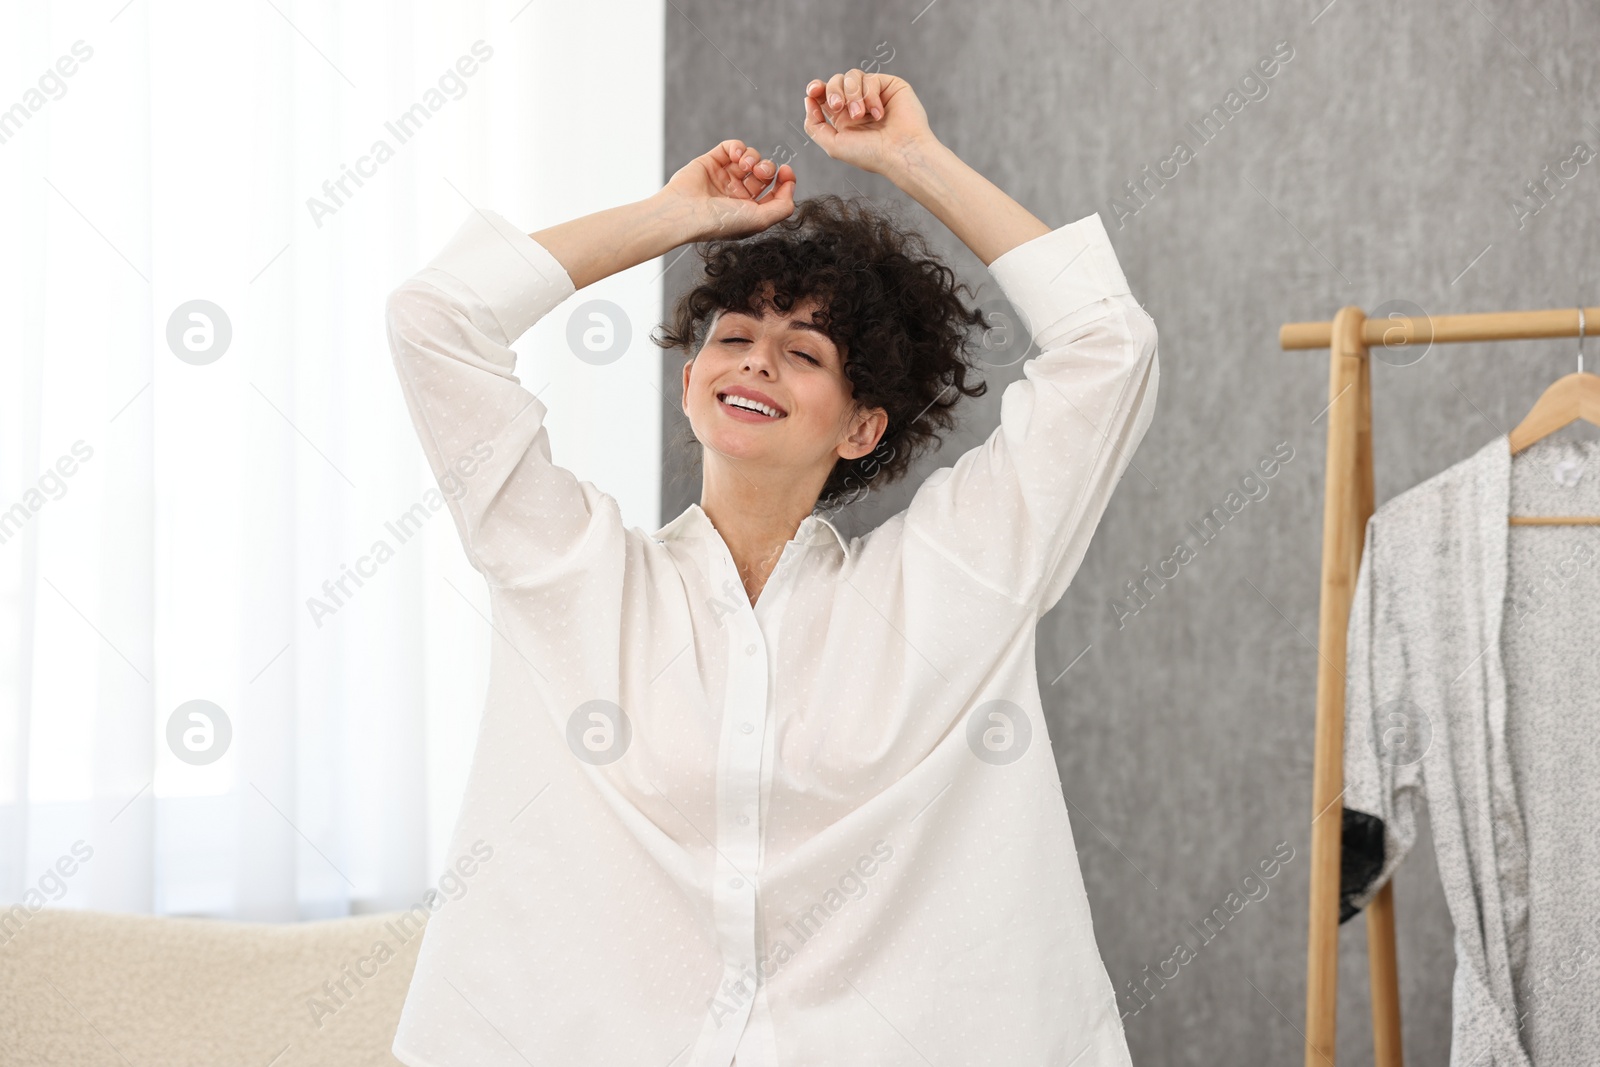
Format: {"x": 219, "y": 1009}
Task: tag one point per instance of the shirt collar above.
{"x": 694, "y": 522}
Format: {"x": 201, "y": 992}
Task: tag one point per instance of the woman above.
{"x": 754, "y": 793}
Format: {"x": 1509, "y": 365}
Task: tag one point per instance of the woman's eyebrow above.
{"x": 794, "y": 324}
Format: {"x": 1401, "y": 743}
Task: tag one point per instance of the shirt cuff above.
{"x": 1050, "y": 276}
{"x": 515, "y": 277}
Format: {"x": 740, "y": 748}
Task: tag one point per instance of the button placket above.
{"x": 739, "y": 846}
{"x": 745, "y": 745}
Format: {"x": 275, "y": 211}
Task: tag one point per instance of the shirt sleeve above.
{"x": 522, "y": 519}
{"x": 1386, "y": 734}
{"x": 1017, "y": 512}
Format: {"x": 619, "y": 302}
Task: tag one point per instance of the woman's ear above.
{"x": 683, "y": 400}
{"x": 868, "y": 430}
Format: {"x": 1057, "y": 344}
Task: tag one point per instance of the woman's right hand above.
{"x": 719, "y": 192}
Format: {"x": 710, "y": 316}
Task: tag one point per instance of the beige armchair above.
{"x": 96, "y": 989}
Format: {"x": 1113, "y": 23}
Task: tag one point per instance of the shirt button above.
{"x": 744, "y": 820}
{"x": 737, "y": 883}
{"x": 746, "y": 728}
{"x": 750, "y": 649}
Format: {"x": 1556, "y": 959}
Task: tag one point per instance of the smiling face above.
{"x": 798, "y": 415}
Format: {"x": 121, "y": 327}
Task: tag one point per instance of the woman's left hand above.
{"x": 877, "y": 122}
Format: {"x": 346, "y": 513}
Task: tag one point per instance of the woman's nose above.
{"x": 758, "y": 356}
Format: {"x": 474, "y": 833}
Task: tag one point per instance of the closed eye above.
{"x": 804, "y": 355}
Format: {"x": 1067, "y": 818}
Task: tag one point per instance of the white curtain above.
{"x": 185, "y": 521}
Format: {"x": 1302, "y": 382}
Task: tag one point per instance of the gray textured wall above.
{"x": 1382, "y": 164}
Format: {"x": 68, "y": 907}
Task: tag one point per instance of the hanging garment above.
{"x": 826, "y": 828}
{"x": 1473, "y": 684}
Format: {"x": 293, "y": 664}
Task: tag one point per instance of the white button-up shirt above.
{"x": 823, "y": 829}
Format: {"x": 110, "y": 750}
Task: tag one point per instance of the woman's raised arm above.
{"x": 1014, "y": 514}
{"x": 523, "y": 520}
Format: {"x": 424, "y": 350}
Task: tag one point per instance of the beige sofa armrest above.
{"x": 86, "y": 987}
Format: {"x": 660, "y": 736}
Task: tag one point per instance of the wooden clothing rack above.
{"x": 1347, "y": 505}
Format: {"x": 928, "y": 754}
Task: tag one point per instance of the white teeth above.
{"x": 751, "y": 405}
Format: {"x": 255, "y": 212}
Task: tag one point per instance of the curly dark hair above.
{"x": 886, "y": 301}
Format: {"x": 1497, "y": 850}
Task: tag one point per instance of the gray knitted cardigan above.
{"x": 1473, "y": 683}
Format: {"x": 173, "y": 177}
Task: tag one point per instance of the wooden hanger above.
{"x": 1569, "y": 398}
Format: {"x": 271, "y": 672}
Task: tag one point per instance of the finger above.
{"x": 737, "y": 161}
{"x": 785, "y": 177}
{"x": 758, "y": 177}
{"x": 817, "y": 91}
{"x": 852, "y": 92}
{"x": 836, "y": 95}
{"x": 783, "y": 190}
{"x": 871, "y": 96}
{"x": 814, "y": 116}
{"x": 728, "y": 151}
{"x": 782, "y": 199}
{"x": 780, "y": 205}
{"x": 817, "y": 127}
